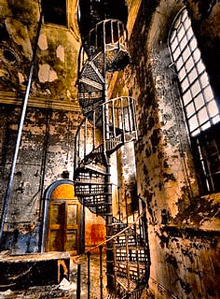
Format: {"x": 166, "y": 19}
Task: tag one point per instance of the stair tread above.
{"x": 92, "y": 183}
{"x": 133, "y": 264}
{"x": 97, "y": 204}
{"x": 89, "y": 168}
{"x": 124, "y": 283}
{"x": 82, "y": 194}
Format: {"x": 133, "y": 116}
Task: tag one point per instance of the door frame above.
{"x": 45, "y": 215}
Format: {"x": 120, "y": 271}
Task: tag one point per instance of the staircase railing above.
{"x": 132, "y": 260}
{"x": 90, "y": 142}
{"x": 108, "y": 124}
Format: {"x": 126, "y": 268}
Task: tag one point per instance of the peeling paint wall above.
{"x": 183, "y": 225}
{"x": 47, "y": 147}
{"x": 55, "y": 74}
{"x": 46, "y": 152}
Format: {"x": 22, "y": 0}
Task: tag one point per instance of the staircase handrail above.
{"x": 115, "y": 235}
{"x": 123, "y": 33}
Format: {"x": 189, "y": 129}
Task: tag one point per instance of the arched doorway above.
{"x": 63, "y": 220}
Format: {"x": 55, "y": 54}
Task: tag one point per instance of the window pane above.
{"x": 193, "y": 42}
{"x": 206, "y": 126}
{"x": 179, "y": 63}
{"x": 200, "y": 67}
{"x": 195, "y": 88}
{"x": 196, "y": 55}
{"x": 176, "y": 53}
{"x": 193, "y": 123}
{"x": 203, "y": 115}
{"x": 200, "y": 107}
{"x": 185, "y": 84}
{"x": 204, "y": 80}
{"x": 212, "y": 108}
{"x": 187, "y": 23}
{"x": 181, "y": 32}
{"x": 199, "y": 101}
{"x": 186, "y": 53}
{"x": 196, "y": 132}
{"x": 184, "y": 15}
{"x": 189, "y": 64}
{"x": 192, "y": 75}
{"x": 183, "y": 43}
{"x": 182, "y": 74}
{"x": 187, "y": 97}
{"x": 208, "y": 94}
{"x": 190, "y": 109}
{"x": 174, "y": 44}
{"x": 216, "y": 119}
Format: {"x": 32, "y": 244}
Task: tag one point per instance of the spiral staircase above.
{"x": 108, "y": 125}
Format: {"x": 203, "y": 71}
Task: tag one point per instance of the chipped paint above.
{"x": 42, "y": 42}
{"x": 46, "y": 73}
{"x": 60, "y": 52}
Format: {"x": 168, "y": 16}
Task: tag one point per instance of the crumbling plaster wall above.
{"x": 183, "y": 226}
{"x": 47, "y": 146}
{"x": 46, "y": 152}
{"x": 55, "y": 73}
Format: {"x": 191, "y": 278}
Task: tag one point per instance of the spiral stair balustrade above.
{"x": 104, "y": 52}
{"x": 108, "y": 125}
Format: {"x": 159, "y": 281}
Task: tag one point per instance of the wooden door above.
{"x": 64, "y": 226}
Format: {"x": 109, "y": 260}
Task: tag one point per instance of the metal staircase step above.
{"x": 91, "y": 82}
{"x": 124, "y": 283}
{"x": 92, "y": 195}
{"x": 90, "y": 173}
{"x": 97, "y": 71}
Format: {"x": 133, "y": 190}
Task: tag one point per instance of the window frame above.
{"x": 205, "y": 130}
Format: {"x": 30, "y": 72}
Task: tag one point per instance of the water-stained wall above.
{"x": 45, "y": 155}
{"x": 53, "y": 115}
{"x": 183, "y": 225}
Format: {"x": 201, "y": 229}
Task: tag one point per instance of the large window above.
{"x": 200, "y": 106}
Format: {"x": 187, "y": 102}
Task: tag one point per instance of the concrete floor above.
{"x": 66, "y": 289}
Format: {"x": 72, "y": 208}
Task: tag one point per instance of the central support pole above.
{"x": 106, "y": 136}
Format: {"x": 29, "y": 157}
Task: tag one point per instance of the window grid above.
{"x": 199, "y": 104}
{"x": 194, "y": 79}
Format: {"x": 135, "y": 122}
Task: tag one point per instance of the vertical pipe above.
{"x": 93, "y": 137}
{"x": 119, "y": 204}
{"x": 112, "y": 33}
{"x": 113, "y": 121}
{"x": 118, "y": 27}
{"x": 89, "y": 281}
{"x": 127, "y": 261}
{"x": 137, "y": 249}
{"x": 115, "y": 271}
{"x": 82, "y": 227}
{"x": 134, "y": 116}
{"x": 126, "y": 207}
{"x": 109, "y": 249}
{"x": 78, "y": 292}
{"x": 101, "y": 276}
{"x": 78, "y": 145}
{"x": 130, "y": 124}
{"x": 85, "y": 137}
{"x": 20, "y": 128}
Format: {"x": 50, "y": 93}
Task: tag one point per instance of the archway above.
{"x": 62, "y": 219}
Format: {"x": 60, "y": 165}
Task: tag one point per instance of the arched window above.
{"x": 200, "y": 106}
